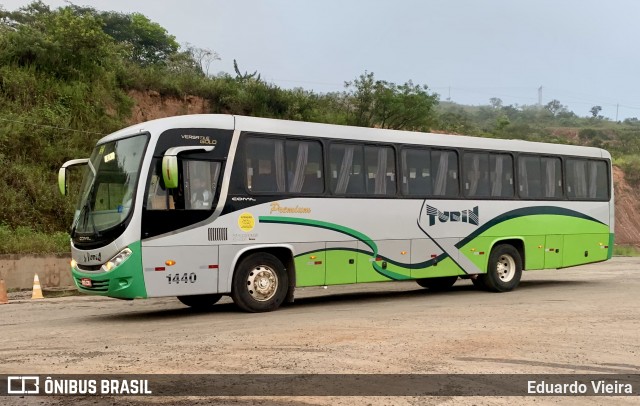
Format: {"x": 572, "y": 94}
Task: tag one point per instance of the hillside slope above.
{"x": 627, "y": 210}
{"x": 151, "y": 105}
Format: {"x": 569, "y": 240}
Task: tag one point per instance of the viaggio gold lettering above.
{"x": 202, "y": 138}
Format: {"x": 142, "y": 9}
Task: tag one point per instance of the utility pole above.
{"x": 540, "y": 96}
{"x": 617, "y": 107}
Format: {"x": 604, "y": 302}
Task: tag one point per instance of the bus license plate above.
{"x": 86, "y": 282}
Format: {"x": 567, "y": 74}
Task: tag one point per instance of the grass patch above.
{"x": 626, "y": 251}
{"x": 25, "y": 240}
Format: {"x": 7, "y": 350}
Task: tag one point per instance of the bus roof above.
{"x": 306, "y": 129}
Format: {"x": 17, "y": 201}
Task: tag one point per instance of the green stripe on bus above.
{"x": 125, "y": 282}
{"x": 340, "y": 229}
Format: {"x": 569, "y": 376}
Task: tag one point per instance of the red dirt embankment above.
{"x": 151, "y": 105}
{"x": 627, "y": 210}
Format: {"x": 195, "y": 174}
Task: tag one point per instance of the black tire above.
{"x": 504, "y": 269}
{"x": 260, "y": 283}
{"x": 479, "y": 282}
{"x": 437, "y": 284}
{"x": 200, "y": 301}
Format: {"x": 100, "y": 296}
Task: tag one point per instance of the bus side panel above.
{"x": 585, "y": 248}
{"x": 554, "y": 251}
{"x": 310, "y": 264}
{"x": 438, "y": 266}
{"x": 534, "y": 252}
{"x": 195, "y": 270}
{"x": 365, "y": 270}
{"x": 342, "y": 260}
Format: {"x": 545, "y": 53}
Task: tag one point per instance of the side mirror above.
{"x": 62, "y": 181}
{"x": 170, "y": 163}
{"x": 62, "y": 173}
{"x": 170, "y": 171}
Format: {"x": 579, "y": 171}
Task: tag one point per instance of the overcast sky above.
{"x": 582, "y": 52}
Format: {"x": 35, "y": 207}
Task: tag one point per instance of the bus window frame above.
{"x": 286, "y": 194}
{"x": 608, "y": 166}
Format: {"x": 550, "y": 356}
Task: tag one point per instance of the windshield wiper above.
{"x": 86, "y": 212}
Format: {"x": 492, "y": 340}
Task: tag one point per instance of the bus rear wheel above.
{"x": 439, "y": 284}
{"x": 200, "y": 301}
{"x": 260, "y": 283}
{"x": 504, "y": 269}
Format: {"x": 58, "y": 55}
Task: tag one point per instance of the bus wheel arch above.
{"x": 263, "y": 278}
{"x": 200, "y": 301}
{"x": 437, "y": 284}
{"x": 504, "y": 266}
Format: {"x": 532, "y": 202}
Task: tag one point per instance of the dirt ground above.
{"x": 581, "y": 320}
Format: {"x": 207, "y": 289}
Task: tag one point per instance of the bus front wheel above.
{"x": 504, "y": 270}
{"x": 260, "y": 283}
{"x": 200, "y": 301}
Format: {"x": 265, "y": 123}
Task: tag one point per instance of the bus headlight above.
{"x": 116, "y": 260}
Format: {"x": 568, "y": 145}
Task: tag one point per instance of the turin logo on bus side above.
{"x": 470, "y": 216}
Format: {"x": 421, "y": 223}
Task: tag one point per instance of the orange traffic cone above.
{"x": 37, "y": 290}
{"x": 3, "y": 292}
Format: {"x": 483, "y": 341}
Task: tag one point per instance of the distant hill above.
{"x": 71, "y": 75}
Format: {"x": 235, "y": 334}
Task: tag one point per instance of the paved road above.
{"x": 578, "y": 320}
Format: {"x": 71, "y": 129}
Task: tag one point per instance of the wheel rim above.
{"x": 506, "y": 268}
{"x": 262, "y": 283}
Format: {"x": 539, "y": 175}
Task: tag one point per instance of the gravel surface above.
{"x": 580, "y": 320}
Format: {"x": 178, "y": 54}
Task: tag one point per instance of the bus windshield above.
{"x": 108, "y": 186}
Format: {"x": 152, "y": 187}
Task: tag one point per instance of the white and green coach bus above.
{"x": 202, "y": 206}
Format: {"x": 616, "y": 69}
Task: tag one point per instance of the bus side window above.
{"x": 416, "y": 172}
{"x": 476, "y": 174}
{"x": 529, "y": 177}
{"x": 381, "y": 170}
{"x": 158, "y": 198}
{"x": 444, "y": 164}
{"x": 264, "y": 166}
{"x": 587, "y": 179}
{"x": 304, "y": 166}
{"x": 347, "y": 172}
{"x": 200, "y": 178}
{"x": 501, "y": 174}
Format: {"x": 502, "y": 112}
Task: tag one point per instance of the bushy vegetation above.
{"x": 65, "y": 75}
{"x": 626, "y": 251}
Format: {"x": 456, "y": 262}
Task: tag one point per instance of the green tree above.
{"x": 555, "y": 107}
{"x": 378, "y": 103}
{"x": 246, "y": 76}
{"x": 147, "y": 42}
{"x": 61, "y": 43}
{"x": 495, "y": 102}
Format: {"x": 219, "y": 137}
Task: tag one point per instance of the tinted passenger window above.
{"x": 380, "y": 170}
{"x": 444, "y": 166}
{"x": 539, "y": 177}
{"x": 346, "y": 166}
{"x": 283, "y": 166}
{"x": 501, "y": 175}
{"x": 416, "y": 172}
{"x": 429, "y": 173}
{"x": 476, "y": 175}
{"x": 587, "y": 179}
